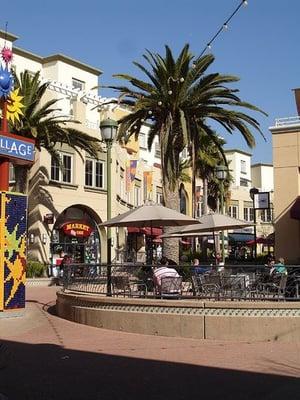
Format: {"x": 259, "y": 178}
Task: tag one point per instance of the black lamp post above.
{"x": 253, "y": 192}
{"x": 221, "y": 174}
{"x": 108, "y": 129}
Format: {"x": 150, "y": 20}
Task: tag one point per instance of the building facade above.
{"x": 246, "y": 176}
{"x": 286, "y": 158}
{"x": 67, "y": 205}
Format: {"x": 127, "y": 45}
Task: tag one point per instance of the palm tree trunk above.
{"x": 22, "y": 179}
{"x": 193, "y": 181}
{"x": 205, "y": 202}
{"x": 171, "y": 246}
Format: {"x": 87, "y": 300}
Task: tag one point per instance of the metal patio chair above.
{"x": 276, "y": 288}
{"x": 206, "y": 285}
{"x": 123, "y": 285}
{"x": 170, "y": 287}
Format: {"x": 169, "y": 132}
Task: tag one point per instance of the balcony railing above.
{"x": 289, "y": 121}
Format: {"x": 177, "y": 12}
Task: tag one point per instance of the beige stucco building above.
{"x": 286, "y": 157}
{"x": 66, "y": 206}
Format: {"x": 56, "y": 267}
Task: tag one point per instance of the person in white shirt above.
{"x": 163, "y": 272}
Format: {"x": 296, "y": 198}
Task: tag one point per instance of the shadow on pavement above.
{"x": 46, "y": 371}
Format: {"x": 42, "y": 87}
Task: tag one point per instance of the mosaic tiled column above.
{"x": 13, "y": 228}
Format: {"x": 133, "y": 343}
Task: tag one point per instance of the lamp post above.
{"x": 108, "y": 129}
{"x": 221, "y": 173}
{"x": 253, "y": 192}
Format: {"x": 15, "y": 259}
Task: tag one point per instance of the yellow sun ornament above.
{"x": 14, "y": 106}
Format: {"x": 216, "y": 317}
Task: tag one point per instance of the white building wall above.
{"x": 235, "y": 159}
{"x": 150, "y": 157}
{"x": 21, "y": 63}
{"x": 263, "y": 177}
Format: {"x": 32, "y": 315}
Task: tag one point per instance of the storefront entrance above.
{"x": 75, "y": 234}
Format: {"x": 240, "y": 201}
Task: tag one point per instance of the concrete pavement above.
{"x": 45, "y": 357}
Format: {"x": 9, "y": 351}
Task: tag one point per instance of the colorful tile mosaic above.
{"x": 13, "y": 227}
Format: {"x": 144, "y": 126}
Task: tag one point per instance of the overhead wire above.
{"x": 224, "y": 26}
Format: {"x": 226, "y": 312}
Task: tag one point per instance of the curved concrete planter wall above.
{"x": 185, "y": 318}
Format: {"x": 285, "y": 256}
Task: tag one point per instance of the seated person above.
{"x": 171, "y": 262}
{"x": 197, "y": 269}
{"x": 279, "y": 267}
{"x": 163, "y": 271}
{"x": 270, "y": 265}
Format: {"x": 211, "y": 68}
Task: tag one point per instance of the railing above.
{"x": 91, "y": 124}
{"x": 287, "y": 121}
{"x": 233, "y": 282}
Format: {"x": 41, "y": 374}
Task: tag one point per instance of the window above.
{"x": 122, "y": 184}
{"x": 159, "y": 195}
{"x": 248, "y": 214}
{"x": 12, "y": 177}
{"x": 143, "y": 140}
{"x": 199, "y": 208}
{"x": 243, "y": 167}
{"x": 243, "y": 182}
{"x": 137, "y": 195}
{"x": 233, "y": 211}
{"x": 62, "y": 173}
{"x": 157, "y": 150}
{"x": 77, "y": 84}
{"x": 267, "y": 215}
{"x": 94, "y": 173}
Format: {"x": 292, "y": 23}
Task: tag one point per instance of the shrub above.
{"x": 35, "y": 269}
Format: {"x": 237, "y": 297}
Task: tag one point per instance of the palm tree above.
{"x": 38, "y": 121}
{"x": 209, "y": 154}
{"x": 178, "y": 99}
{"x": 216, "y": 189}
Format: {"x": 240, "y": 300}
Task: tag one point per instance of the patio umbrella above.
{"x": 183, "y": 235}
{"x": 150, "y": 215}
{"x": 214, "y": 223}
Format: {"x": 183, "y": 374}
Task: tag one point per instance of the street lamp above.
{"x": 253, "y": 192}
{"x": 221, "y": 174}
{"x": 108, "y": 129}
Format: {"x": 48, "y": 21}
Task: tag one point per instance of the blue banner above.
{"x": 16, "y": 148}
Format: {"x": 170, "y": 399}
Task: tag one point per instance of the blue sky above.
{"x": 261, "y": 45}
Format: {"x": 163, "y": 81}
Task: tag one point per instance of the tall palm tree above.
{"x": 209, "y": 154}
{"x": 178, "y": 99}
{"x": 40, "y": 122}
{"x": 217, "y": 189}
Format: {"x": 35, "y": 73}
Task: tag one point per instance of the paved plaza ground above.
{"x": 45, "y": 357}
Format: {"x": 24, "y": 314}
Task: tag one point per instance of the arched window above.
{"x": 183, "y": 199}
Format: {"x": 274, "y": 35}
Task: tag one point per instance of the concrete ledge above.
{"x": 198, "y": 319}
{"x": 39, "y": 281}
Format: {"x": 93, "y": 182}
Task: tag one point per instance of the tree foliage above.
{"x": 179, "y": 99}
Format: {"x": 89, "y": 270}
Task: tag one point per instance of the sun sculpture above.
{"x": 14, "y": 106}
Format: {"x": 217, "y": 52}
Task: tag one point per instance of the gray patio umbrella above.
{"x": 183, "y": 235}
{"x": 150, "y": 215}
{"x": 214, "y": 223}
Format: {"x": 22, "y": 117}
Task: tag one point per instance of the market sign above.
{"x": 17, "y": 149}
{"x": 77, "y": 229}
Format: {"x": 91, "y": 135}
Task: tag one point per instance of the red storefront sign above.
{"x": 77, "y": 229}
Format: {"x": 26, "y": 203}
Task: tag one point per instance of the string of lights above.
{"x": 224, "y": 26}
